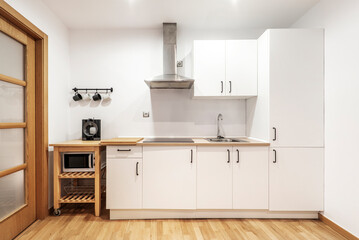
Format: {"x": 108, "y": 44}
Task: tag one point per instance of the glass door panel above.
{"x": 11, "y": 148}
{"x": 12, "y": 193}
{"x": 12, "y": 104}
{"x": 12, "y": 57}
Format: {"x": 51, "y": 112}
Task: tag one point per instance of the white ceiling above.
{"x": 196, "y": 14}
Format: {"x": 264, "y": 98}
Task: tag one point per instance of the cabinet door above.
{"x": 169, "y": 177}
{"x": 241, "y": 67}
{"x": 296, "y": 180}
{"x": 250, "y": 178}
{"x": 124, "y": 183}
{"x": 214, "y": 178}
{"x": 209, "y": 68}
{"x": 296, "y": 87}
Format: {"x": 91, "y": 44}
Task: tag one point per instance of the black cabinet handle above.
{"x": 275, "y": 134}
{"x": 221, "y": 86}
{"x": 191, "y": 155}
{"x": 123, "y": 150}
{"x": 275, "y": 156}
{"x": 230, "y": 86}
{"x": 229, "y": 156}
{"x": 137, "y": 168}
{"x": 237, "y": 156}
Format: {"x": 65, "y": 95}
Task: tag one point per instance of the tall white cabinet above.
{"x": 289, "y": 109}
{"x": 289, "y": 113}
{"x": 296, "y": 87}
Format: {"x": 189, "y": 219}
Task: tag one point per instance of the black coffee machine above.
{"x": 91, "y": 129}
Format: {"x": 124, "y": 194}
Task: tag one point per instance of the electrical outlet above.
{"x": 146, "y": 114}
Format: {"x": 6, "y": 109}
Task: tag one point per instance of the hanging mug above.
{"x": 96, "y": 97}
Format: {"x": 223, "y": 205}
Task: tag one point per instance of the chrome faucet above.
{"x": 219, "y": 118}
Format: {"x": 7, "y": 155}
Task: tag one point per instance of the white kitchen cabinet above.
{"x": 169, "y": 177}
{"x": 296, "y": 180}
{"x": 124, "y": 183}
{"x": 214, "y": 177}
{"x": 297, "y": 87}
{"x": 209, "y": 68}
{"x": 250, "y": 177}
{"x": 225, "y": 69}
{"x": 124, "y": 151}
{"x": 241, "y": 68}
{"x": 289, "y": 109}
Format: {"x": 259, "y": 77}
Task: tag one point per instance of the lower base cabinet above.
{"x": 169, "y": 177}
{"x": 214, "y": 177}
{"x": 124, "y": 183}
{"x": 250, "y": 177}
{"x": 232, "y": 177}
{"x": 296, "y": 179}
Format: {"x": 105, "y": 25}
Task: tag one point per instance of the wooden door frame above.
{"x": 41, "y": 103}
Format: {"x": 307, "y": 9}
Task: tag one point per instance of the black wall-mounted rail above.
{"x": 93, "y": 89}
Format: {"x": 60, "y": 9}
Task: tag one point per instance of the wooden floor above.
{"x": 78, "y": 222}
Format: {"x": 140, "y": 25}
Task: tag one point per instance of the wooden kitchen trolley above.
{"x": 80, "y": 194}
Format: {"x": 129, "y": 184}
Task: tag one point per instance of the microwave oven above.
{"x": 78, "y": 162}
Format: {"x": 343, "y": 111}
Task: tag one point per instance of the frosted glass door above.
{"x": 17, "y": 136}
{"x": 12, "y": 115}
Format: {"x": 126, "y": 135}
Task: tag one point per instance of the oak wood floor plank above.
{"x": 77, "y": 222}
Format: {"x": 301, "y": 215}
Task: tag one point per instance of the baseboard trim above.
{"x": 336, "y": 227}
{"x": 176, "y": 214}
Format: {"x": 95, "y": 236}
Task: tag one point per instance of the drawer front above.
{"x": 124, "y": 151}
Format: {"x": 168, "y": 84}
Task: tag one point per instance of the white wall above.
{"x": 122, "y": 59}
{"x": 59, "y": 68}
{"x": 340, "y": 19}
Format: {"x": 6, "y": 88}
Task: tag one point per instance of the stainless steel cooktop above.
{"x": 168, "y": 140}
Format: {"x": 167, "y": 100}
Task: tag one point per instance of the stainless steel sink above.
{"x": 225, "y": 140}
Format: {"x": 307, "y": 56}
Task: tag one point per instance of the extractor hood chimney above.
{"x": 169, "y": 79}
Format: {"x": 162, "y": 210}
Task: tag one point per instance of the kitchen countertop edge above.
{"x": 197, "y": 142}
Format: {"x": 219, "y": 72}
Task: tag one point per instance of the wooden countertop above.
{"x": 77, "y": 143}
{"x": 124, "y": 141}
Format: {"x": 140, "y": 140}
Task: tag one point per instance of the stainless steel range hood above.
{"x": 169, "y": 79}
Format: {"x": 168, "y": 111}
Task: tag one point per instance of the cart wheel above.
{"x": 57, "y": 212}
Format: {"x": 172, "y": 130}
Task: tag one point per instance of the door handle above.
{"x": 191, "y": 155}
{"x": 275, "y": 134}
{"x": 137, "y": 168}
{"x": 221, "y": 86}
{"x": 237, "y": 156}
{"x": 123, "y": 150}
{"x": 229, "y": 156}
{"x": 230, "y": 86}
{"x": 275, "y": 156}
{"x": 90, "y": 163}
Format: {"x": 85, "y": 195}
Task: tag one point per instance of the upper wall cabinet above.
{"x": 241, "y": 68}
{"x": 209, "y": 68}
{"x": 225, "y": 69}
